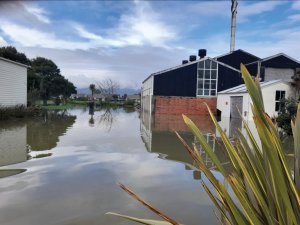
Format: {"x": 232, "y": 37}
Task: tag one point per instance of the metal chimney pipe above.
{"x": 233, "y": 24}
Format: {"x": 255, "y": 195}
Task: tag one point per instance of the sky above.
{"x": 126, "y": 41}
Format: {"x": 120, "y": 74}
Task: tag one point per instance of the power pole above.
{"x": 233, "y": 24}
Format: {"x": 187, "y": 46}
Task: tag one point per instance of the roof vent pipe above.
{"x": 184, "y": 62}
{"x": 202, "y": 53}
{"x": 193, "y": 58}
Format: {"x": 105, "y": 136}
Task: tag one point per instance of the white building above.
{"x": 236, "y": 99}
{"x": 13, "y": 83}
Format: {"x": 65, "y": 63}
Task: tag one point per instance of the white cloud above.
{"x": 23, "y": 12}
{"x": 246, "y": 10}
{"x": 97, "y": 40}
{"x": 284, "y": 43}
{"x": 85, "y": 77}
{"x": 212, "y": 8}
{"x": 223, "y": 8}
{"x": 294, "y": 18}
{"x": 142, "y": 39}
{"x": 38, "y": 12}
{"x": 138, "y": 27}
{"x": 296, "y": 5}
{"x": 2, "y": 42}
{"x": 29, "y": 37}
{"x": 144, "y": 26}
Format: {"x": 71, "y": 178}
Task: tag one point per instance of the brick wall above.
{"x": 165, "y": 122}
{"x": 183, "y": 105}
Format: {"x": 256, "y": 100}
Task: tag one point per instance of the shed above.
{"x": 236, "y": 99}
{"x": 13, "y": 83}
{"x": 279, "y": 66}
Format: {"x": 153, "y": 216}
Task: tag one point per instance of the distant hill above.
{"x": 121, "y": 91}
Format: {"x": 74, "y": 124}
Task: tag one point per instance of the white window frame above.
{"x": 281, "y": 96}
{"x": 206, "y": 79}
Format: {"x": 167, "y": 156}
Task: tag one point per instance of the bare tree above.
{"x": 107, "y": 87}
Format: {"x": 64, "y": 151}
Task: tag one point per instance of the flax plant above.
{"x": 263, "y": 189}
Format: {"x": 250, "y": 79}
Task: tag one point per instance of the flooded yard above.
{"x": 64, "y": 169}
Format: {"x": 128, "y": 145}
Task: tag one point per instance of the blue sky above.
{"x": 128, "y": 40}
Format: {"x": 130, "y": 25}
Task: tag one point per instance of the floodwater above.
{"x": 64, "y": 168}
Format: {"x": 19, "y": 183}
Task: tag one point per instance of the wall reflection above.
{"x": 13, "y": 145}
{"x": 24, "y": 139}
{"x": 157, "y": 132}
{"x": 43, "y": 133}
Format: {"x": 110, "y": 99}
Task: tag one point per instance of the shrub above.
{"x": 129, "y": 103}
{"x": 18, "y": 111}
{"x": 286, "y": 113}
{"x": 57, "y": 101}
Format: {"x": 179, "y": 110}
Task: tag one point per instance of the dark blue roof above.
{"x": 237, "y": 57}
{"x": 280, "y": 61}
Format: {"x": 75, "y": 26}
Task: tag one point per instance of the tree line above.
{"x": 44, "y": 78}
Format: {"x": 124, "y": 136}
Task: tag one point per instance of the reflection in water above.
{"x": 77, "y": 185}
{"x": 13, "y": 145}
{"x": 106, "y": 119}
{"x": 20, "y": 139}
{"x": 10, "y": 172}
{"x": 91, "y": 121}
{"x": 158, "y": 136}
{"x": 43, "y": 134}
{"x": 91, "y": 112}
{"x": 231, "y": 125}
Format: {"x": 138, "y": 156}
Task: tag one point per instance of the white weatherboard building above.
{"x": 13, "y": 83}
{"x": 237, "y": 99}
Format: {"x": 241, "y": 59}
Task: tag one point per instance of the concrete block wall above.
{"x": 173, "y": 105}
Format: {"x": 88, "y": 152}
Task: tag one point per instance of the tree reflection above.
{"x": 22, "y": 140}
{"x": 106, "y": 119}
{"x": 91, "y": 112}
{"x": 43, "y": 134}
{"x": 92, "y": 121}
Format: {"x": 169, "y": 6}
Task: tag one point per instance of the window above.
{"x": 278, "y": 96}
{"x": 207, "y": 78}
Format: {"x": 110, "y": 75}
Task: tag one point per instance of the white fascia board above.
{"x": 243, "y": 89}
{"x": 190, "y": 63}
{"x": 280, "y": 54}
{"x": 14, "y": 62}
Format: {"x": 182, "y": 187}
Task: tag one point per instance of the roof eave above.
{"x": 14, "y": 62}
{"x": 190, "y": 63}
